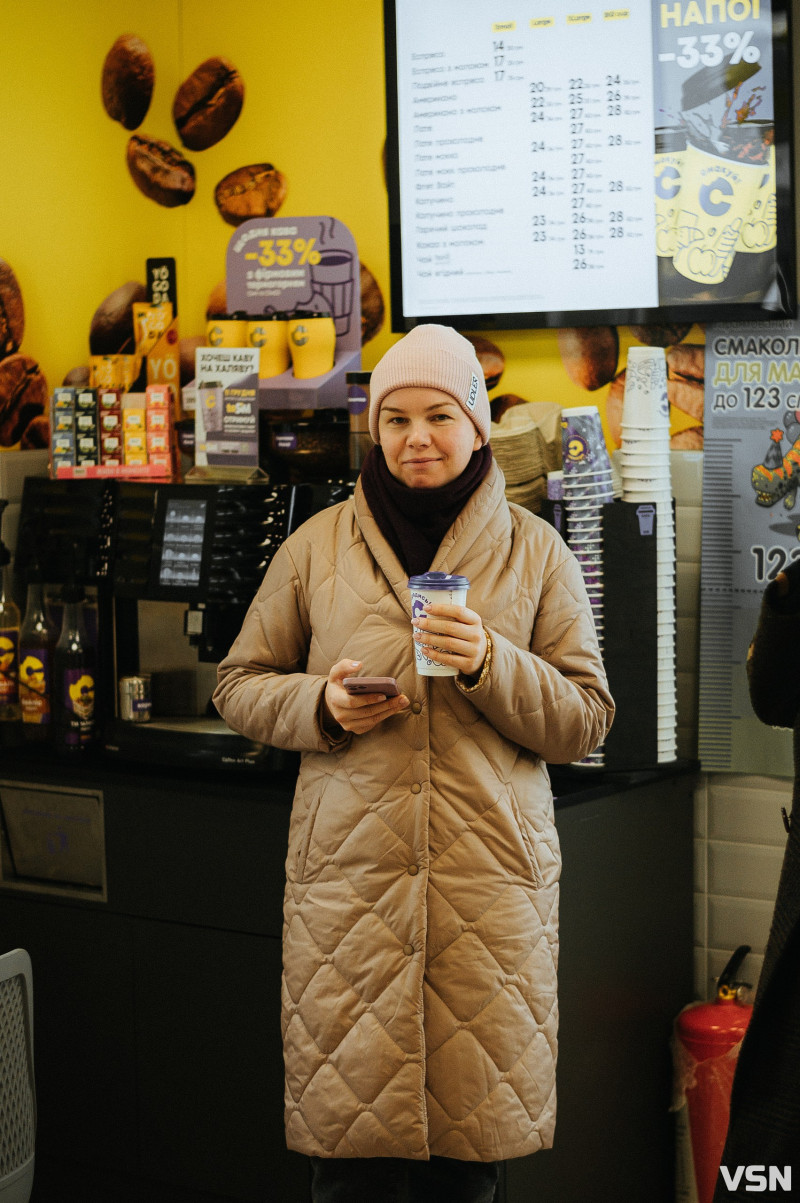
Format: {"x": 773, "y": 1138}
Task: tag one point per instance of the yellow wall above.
{"x": 73, "y": 225}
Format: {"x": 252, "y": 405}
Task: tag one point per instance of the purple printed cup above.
{"x": 555, "y": 485}
{"x": 583, "y": 443}
{"x": 429, "y": 588}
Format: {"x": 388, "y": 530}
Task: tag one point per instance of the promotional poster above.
{"x": 751, "y": 528}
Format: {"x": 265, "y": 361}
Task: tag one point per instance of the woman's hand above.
{"x": 356, "y": 712}
{"x": 452, "y": 635}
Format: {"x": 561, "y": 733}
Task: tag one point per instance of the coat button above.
{"x": 408, "y": 949}
{"x": 413, "y": 870}
{"x": 416, "y": 707}
{"x": 416, "y": 787}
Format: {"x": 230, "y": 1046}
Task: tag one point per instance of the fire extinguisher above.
{"x": 706, "y": 1046}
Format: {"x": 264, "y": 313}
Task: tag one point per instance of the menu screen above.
{"x": 558, "y": 164}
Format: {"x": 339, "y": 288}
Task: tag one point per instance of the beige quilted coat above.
{"x": 420, "y": 936}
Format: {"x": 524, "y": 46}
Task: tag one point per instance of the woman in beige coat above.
{"x": 419, "y": 1002}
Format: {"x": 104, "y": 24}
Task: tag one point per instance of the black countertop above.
{"x": 278, "y": 769}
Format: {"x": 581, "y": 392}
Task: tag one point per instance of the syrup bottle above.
{"x": 37, "y": 639}
{"x": 73, "y": 678}
{"x": 9, "y": 650}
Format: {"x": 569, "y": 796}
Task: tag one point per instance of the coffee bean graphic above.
{"x": 127, "y": 81}
{"x": 208, "y": 103}
{"x": 12, "y": 311}
{"x": 111, "y": 330}
{"x": 254, "y": 191}
{"x": 160, "y": 171}
{"x": 23, "y": 396}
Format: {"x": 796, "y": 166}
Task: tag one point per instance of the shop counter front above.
{"x": 150, "y": 902}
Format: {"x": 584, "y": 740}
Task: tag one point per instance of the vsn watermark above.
{"x": 757, "y": 1177}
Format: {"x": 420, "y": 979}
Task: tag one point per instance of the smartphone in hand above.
{"x": 385, "y": 685}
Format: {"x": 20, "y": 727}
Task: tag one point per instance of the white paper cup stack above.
{"x": 587, "y": 488}
{"x": 646, "y": 481}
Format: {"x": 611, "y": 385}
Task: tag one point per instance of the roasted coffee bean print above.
{"x": 660, "y": 336}
{"x": 491, "y": 359}
{"x": 208, "y": 103}
{"x": 614, "y": 402}
{"x": 23, "y": 396}
{"x": 589, "y": 354}
{"x": 77, "y": 377}
{"x": 499, "y": 405}
{"x": 690, "y": 439}
{"x": 217, "y": 304}
{"x": 127, "y": 81}
{"x": 12, "y": 311}
{"x": 160, "y": 171}
{"x": 36, "y": 434}
{"x": 372, "y": 307}
{"x": 111, "y": 331}
{"x": 687, "y": 362}
{"x": 255, "y": 191}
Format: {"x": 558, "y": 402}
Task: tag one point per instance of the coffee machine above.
{"x": 172, "y": 569}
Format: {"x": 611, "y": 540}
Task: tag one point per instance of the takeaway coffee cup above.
{"x": 228, "y": 330}
{"x": 431, "y": 588}
{"x": 312, "y": 343}
{"x": 268, "y": 333}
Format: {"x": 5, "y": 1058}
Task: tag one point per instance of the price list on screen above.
{"x": 526, "y": 158}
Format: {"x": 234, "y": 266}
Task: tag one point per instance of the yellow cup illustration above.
{"x": 268, "y": 333}
{"x": 759, "y": 230}
{"x": 312, "y": 343}
{"x": 668, "y": 164}
{"x": 716, "y": 197}
{"x": 229, "y": 330}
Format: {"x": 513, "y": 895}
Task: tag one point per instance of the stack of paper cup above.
{"x": 587, "y": 488}
{"x": 645, "y": 471}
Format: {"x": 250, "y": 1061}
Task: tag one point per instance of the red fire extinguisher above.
{"x": 705, "y": 1050}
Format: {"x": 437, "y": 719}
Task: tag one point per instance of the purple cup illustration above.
{"x": 332, "y": 278}
{"x": 645, "y": 514}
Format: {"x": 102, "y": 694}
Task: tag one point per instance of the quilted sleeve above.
{"x": 263, "y": 690}
{"x": 552, "y": 698}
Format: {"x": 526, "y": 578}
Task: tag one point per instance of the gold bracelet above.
{"x": 487, "y": 664}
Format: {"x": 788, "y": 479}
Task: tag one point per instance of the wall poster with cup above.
{"x": 714, "y": 152}
{"x": 298, "y": 282}
{"x": 751, "y": 529}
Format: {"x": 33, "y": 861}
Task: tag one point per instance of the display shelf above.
{"x": 328, "y": 391}
{"x": 114, "y": 472}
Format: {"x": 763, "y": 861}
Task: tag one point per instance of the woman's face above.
{"x": 426, "y": 437}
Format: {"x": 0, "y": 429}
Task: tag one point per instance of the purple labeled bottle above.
{"x": 73, "y": 679}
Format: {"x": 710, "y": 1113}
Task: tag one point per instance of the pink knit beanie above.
{"x": 432, "y": 356}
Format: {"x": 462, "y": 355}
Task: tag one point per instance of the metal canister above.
{"x": 135, "y": 705}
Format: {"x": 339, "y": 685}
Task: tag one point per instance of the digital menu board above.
{"x": 558, "y": 164}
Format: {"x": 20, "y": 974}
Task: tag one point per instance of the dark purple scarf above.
{"x": 414, "y": 521}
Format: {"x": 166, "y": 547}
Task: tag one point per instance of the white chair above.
{"x": 17, "y": 1090}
